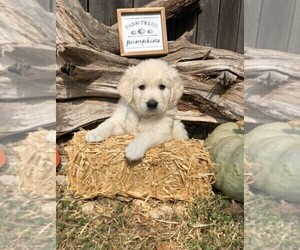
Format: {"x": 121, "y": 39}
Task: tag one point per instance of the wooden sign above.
{"x": 142, "y": 31}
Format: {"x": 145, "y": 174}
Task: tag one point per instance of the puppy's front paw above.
{"x": 134, "y": 151}
{"x": 95, "y": 135}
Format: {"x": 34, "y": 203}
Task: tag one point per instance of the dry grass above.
{"x": 26, "y": 222}
{"x": 176, "y": 170}
{"x": 271, "y": 223}
{"x": 103, "y": 223}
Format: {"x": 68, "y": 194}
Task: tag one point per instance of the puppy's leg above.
{"x": 104, "y": 130}
{"x": 112, "y": 126}
{"x": 179, "y": 131}
{"x": 148, "y": 139}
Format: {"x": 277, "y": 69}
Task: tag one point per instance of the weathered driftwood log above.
{"x": 89, "y": 66}
{"x": 20, "y": 116}
{"x": 272, "y": 86}
{"x": 27, "y": 67}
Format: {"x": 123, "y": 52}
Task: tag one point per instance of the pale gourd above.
{"x": 226, "y": 147}
{"x": 273, "y": 151}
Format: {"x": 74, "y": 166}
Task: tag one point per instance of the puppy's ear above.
{"x": 125, "y": 88}
{"x": 177, "y": 87}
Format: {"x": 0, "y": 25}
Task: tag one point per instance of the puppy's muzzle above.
{"x": 152, "y": 104}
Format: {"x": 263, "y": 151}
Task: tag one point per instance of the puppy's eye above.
{"x": 162, "y": 87}
{"x": 142, "y": 87}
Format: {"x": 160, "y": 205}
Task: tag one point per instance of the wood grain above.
{"x": 240, "y": 38}
{"x": 140, "y": 3}
{"x": 274, "y": 26}
{"x": 73, "y": 29}
{"x": 272, "y": 86}
{"x": 27, "y": 72}
{"x": 208, "y": 23}
{"x": 100, "y": 10}
{"x": 80, "y": 112}
{"x": 252, "y": 16}
{"x": 293, "y": 45}
{"x": 114, "y": 5}
{"x": 84, "y": 4}
{"x": 27, "y": 67}
{"x": 228, "y": 30}
{"x": 21, "y": 116}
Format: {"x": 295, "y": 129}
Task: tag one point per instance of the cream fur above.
{"x": 151, "y": 127}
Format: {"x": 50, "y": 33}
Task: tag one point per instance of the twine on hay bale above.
{"x": 36, "y": 166}
{"x": 175, "y": 170}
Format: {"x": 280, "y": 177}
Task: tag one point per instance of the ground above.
{"x": 271, "y": 223}
{"x": 122, "y": 223}
{"x": 25, "y": 222}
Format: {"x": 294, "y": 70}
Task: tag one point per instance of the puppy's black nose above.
{"x": 152, "y": 104}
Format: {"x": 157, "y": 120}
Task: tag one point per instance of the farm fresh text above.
{"x": 141, "y": 22}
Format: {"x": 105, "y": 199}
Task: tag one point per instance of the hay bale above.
{"x": 36, "y": 166}
{"x": 175, "y": 170}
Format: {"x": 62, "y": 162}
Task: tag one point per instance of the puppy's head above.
{"x": 151, "y": 87}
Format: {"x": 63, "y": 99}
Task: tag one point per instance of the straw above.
{"x": 36, "y": 165}
{"x": 175, "y": 170}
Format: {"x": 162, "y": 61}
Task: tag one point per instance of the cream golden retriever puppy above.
{"x": 149, "y": 94}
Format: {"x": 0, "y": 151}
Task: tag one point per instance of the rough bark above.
{"x": 20, "y": 116}
{"x": 27, "y": 67}
{"x": 89, "y": 66}
{"x": 271, "y": 86}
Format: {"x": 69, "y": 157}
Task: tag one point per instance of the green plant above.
{"x": 226, "y": 146}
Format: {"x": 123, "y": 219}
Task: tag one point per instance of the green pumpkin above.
{"x": 273, "y": 151}
{"x": 226, "y": 147}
